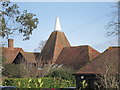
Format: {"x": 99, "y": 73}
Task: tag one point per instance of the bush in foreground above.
{"x": 43, "y": 82}
{"x": 63, "y": 73}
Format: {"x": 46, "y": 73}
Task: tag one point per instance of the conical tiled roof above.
{"x": 53, "y": 46}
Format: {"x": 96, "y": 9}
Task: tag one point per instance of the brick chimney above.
{"x": 10, "y": 43}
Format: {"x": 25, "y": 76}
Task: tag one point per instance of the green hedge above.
{"x": 44, "y": 82}
{"x": 63, "y": 73}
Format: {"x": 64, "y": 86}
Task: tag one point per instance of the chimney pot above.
{"x": 10, "y": 43}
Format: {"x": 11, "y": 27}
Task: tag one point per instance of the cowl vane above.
{"x": 57, "y": 25}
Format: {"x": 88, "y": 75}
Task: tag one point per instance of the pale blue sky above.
{"x": 82, "y": 22}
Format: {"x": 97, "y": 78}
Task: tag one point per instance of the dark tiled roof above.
{"x": 36, "y": 55}
{"x": 10, "y": 53}
{"x": 76, "y": 57}
{"x": 109, "y": 58}
{"x": 53, "y": 46}
{"x": 29, "y": 56}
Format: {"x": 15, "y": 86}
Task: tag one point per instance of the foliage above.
{"x": 27, "y": 70}
{"x": 43, "y": 82}
{"x": 2, "y": 60}
{"x": 20, "y": 70}
{"x": 63, "y": 73}
{"x": 14, "y": 70}
{"x": 84, "y": 85}
{"x": 14, "y": 21}
{"x": 0, "y": 63}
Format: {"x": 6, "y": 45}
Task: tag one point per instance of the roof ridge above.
{"x": 113, "y": 47}
{"x": 56, "y": 35}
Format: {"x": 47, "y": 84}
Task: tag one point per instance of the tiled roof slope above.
{"x": 76, "y": 57}
{"x": 29, "y": 56}
{"x": 10, "y": 53}
{"x": 53, "y": 46}
{"x": 99, "y": 65}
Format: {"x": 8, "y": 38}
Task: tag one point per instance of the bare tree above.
{"x": 48, "y": 68}
{"x": 114, "y": 25}
{"x": 40, "y": 46}
{"x": 110, "y": 78}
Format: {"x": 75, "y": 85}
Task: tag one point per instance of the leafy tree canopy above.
{"x": 14, "y": 21}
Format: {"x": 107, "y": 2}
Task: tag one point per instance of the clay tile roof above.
{"x": 29, "y": 56}
{"x": 36, "y": 54}
{"x": 10, "y": 53}
{"x": 102, "y": 62}
{"x": 76, "y": 57}
{"x": 53, "y": 46}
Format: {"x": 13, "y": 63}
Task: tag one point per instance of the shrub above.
{"x": 44, "y": 82}
{"x": 63, "y": 73}
{"x": 14, "y": 70}
{"x": 20, "y": 70}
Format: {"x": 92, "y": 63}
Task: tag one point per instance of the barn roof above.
{"x": 109, "y": 58}
{"x": 29, "y": 56}
{"x": 76, "y": 57}
{"x": 53, "y": 46}
{"x": 10, "y": 53}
